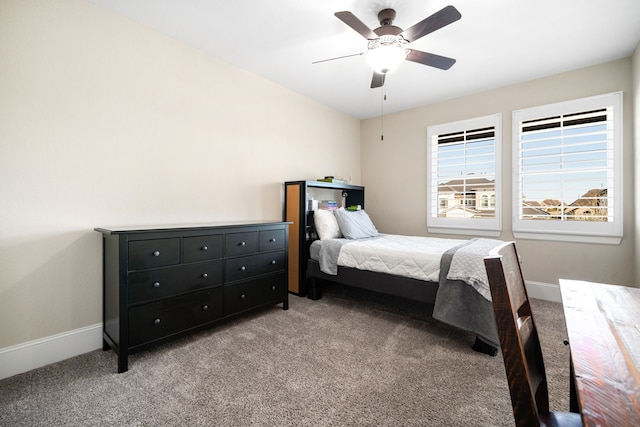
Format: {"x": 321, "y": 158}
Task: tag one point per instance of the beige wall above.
{"x": 104, "y": 122}
{"x": 394, "y": 170}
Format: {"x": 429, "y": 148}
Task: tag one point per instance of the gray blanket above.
{"x": 328, "y": 255}
{"x": 460, "y": 305}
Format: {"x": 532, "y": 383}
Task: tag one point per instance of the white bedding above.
{"x": 409, "y": 256}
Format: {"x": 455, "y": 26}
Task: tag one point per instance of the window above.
{"x": 463, "y": 176}
{"x": 568, "y": 170}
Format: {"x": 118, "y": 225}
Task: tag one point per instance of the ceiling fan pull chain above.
{"x": 382, "y": 99}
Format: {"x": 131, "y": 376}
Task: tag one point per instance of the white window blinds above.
{"x": 463, "y": 179}
{"x": 466, "y": 169}
{"x": 567, "y": 168}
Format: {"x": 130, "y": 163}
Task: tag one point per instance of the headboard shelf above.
{"x": 296, "y": 209}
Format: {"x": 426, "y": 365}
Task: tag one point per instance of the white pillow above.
{"x": 355, "y": 224}
{"x": 326, "y": 224}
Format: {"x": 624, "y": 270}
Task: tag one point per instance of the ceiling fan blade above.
{"x": 338, "y": 57}
{"x": 434, "y": 22}
{"x": 430, "y": 59}
{"x": 377, "y": 80}
{"x": 360, "y": 28}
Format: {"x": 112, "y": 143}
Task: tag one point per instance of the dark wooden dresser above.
{"x": 163, "y": 282}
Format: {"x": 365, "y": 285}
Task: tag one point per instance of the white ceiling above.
{"x": 496, "y": 43}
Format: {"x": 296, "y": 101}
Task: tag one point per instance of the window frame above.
{"x": 572, "y": 231}
{"x": 476, "y": 226}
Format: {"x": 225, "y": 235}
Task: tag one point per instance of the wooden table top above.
{"x": 603, "y": 324}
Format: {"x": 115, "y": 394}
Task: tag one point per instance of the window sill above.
{"x": 465, "y": 231}
{"x": 574, "y": 238}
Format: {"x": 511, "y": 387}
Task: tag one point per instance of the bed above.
{"x": 446, "y": 273}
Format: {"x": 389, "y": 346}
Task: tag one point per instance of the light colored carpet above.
{"x": 353, "y": 358}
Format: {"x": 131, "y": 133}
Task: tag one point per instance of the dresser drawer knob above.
{"x": 205, "y": 275}
{"x": 243, "y": 296}
{"x": 243, "y": 268}
{"x": 273, "y": 262}
{"x": 205, "y": 307}
{"x": 273, "y": 288}
{"x": 156, "y": 284}
{"x": 243, "y": 243}
{"x": 156, "y": 321}
{"x": 272, "y": 240}
{"x": 156, "y": 253}
{"x": 205, "y": 248}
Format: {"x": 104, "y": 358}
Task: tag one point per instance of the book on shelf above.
{"x": 322, "y": 204}
{"x": 333, "y": 180}
{"x": 328, "y": 204}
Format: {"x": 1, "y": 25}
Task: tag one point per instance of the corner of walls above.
{"x": 635, "y": 71}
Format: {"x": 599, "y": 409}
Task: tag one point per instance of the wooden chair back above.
{"x": 519, "y": 341}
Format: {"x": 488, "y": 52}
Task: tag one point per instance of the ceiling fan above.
{"x": 388, "y": 45}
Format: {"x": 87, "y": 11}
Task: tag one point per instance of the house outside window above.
{"x": 567, "y": 170}
{"x": 463, "y": 176}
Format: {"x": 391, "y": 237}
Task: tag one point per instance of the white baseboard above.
{"x": 34, "y": 354}
{"x": 544, "y": 291}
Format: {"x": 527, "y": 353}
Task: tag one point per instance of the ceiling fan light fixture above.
{"x": 386, "y": 53}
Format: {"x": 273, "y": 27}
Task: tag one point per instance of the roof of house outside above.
{"x": 469, "y": 184}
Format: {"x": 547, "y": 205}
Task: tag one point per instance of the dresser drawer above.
{"x": 164, "y": 282}
{"x": 163, "y": 318}
{"x": 254, "y": 265}
{"x": 270, "y": 240}
{"x": 202, "y": 248}
{"x": 253, "y": 293}
{"x": 241, "y": 243}
{"x": 153, "y": 253}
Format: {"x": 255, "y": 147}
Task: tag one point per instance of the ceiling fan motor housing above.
{"x": 386, "y": 28}
{"x": 386, "y": 16}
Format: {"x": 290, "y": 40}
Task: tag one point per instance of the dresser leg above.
{"x": 123, "y": 363}
{"x": 285, "y": 303}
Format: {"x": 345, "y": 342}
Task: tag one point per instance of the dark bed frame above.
{"x": 413, "y": 289}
